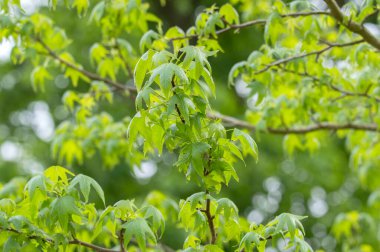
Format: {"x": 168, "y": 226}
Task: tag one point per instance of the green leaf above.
{"x": 63, "y": 208}
{"x": 58, "y": 173}
{"x": 249, "y": 146}
{"x": 196, "y": 199}
{"x": 7, "y": 206}
{"x": 139, "y": 229}
{"x": 158, "y": 221}
{"x": 37, "y": 182}
{"x": 81, "y": 6}
{"x": 289, "y": 222}
{"x": 249, "y": 241}
{"x": 166, "y": 72}
{"x": 229, "y": 13}
{"x": 176, "y": 32}
{"x": 198, "y": 150}
{"x": 12, "y": 244}
{"x": 228, "y": 208}
{"x": 234, "y": 72}
{"x": 85, "y": 184}
{"x": 97, "y": 53}
{"x": 39, "y": 76}
{"x": 142, "y": 66}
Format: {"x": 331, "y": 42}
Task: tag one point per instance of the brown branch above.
{"x": 91, "y": 246}
{"x": 353, "y": 26}
{"x": 121, "y": 240}
{"x": 335, "y": 88}
{"x": 176, "y": 105}
{"x": 234, "y": 122}
{"x": 317, "y": 53}
{"x": 74, "y": 241}
{"x": 86, "y": 73}
{"x": 210, "y": 221}
{"x": 254, "y": 22}
{"x": 349, "y": 93}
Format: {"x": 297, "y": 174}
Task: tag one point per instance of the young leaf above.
{"x": 228, "y": 208}
{"x": 158, "y": 221}
{"x": 62, "y": 209}
{"x": 56, "y": 173}
{"x": 85, "y": 184}
{"x": 249, "y": 146}
{"x": 142, "y": 66}
{"x": 229, "y": 13}
{"x": 166, "y": 72}
{"x": 139, "y": 229}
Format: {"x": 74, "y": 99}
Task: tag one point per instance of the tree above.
{"x": 317, "y": 78}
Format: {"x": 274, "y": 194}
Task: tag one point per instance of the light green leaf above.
{"x": 229, "y": 13}
{"x": 139, "y": 229}
{"x": 249, "y": 146}
{"x": 166, "y": 72}
{"x": 85, "y": 183}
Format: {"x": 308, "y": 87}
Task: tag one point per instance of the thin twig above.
{"x": 121, "y": 240}
{"x": 86, "y": 73}
{"x": 234, "y": 122}
{"x": 74, "y": 241}
{"x": 254, "y": 22}
{"x": 299, "y": 56}
{"x": 210, "y": 221}
{"x": 353, "y": 26}
{"x": 344, "y": 93}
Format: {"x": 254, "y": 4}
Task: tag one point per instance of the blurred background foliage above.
{"x": 320, "y": 185}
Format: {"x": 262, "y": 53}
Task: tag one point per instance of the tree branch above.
{"x": 234, "y": 122}
{"x": 353, "y": 26}
{"x": 333, "y": 87}
{"x": 318, "y": 53}
{"x": 255, "y": 22}
{"x": 121, "y": 240}
{"x": 210, "y": 221}
{"x": 176, "y": 105}
{"x": 349, "y": 93}
{"x": 88, "y": 74}
{"x": 91, "y": 246}
{"x": 74, "y": 241}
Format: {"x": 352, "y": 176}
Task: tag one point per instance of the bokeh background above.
{"x": 319, "y": 185}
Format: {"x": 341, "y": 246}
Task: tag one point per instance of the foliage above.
{"x": 319, "y": 76}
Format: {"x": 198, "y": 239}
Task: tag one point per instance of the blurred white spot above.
{"x": 38, "y": 118}
{"x": 6, "y": 47}
{"x": 252, "y": 101}
{"x": 255, "y": 216}
{"x": 61, "y": 112}
{"x": 329, "y": 243}
{"x": 61, "y": 81}
{"x": 319, "y": 4}
{"x": 242, "y": 88}
{"x": 373, "y": 28}
{"x": 318, "y": 192}
{"x": 319, "y": 230}
{"x": 42, "y": 122}
{"x": 7, "y": 82}
{"x": 31, "y": 166}
{"x": 146, "y": 170}
{"x": 297, "y": 208}
{"x": 32, "y": 6}
{"x": 272, "y": 184}
{"x": 318, "y": 207}
{"x": 10, "y": 151}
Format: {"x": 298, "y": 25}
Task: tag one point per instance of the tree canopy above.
{"x": 190, "y": 125}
